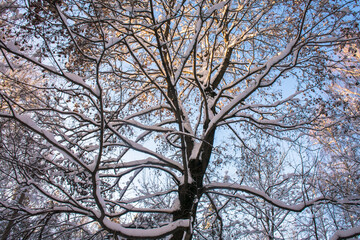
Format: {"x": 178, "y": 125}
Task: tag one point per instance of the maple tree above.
{"x": 134, "y": 111}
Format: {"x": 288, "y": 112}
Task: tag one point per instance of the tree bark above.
{"x": 190, "y": 193}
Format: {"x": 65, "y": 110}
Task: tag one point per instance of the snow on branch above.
{"x": 145, "y": 233}
{"x": 294, "y": 208}
{"x": 141, "y": 148}
{"x": 29, "y": 123}
{"x": 267, "y": 68}
{"x": 342, "y": 234}
{"x": 10, "y": 47}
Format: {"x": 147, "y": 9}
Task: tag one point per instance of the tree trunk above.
{"x": 190, "y": 193}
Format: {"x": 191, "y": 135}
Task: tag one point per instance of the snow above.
{"x": 11, "y": 46}
{"x": 282, "y": 54}
{"x": 136, "y": 146}
{"x": 62, "y": 16}
{"x": 145, "y": 233}
{"x": 98, "y": 193}
{"x": 70, "y": 76}
{"x": 26, "y": 119}
{"x": 195, "y": 150}
{"x": 215, "y": 7}
{"x": 189, "y": 50}
{"x": 340, "y": 234}
{"x": 176, "y": 205}
{"x": 28, "y": 122}
{"x": 135, "y": 163}
{"x": 330, "y": 39}
{"x": 182, "y": 179}
{"x": 92, "y": 166}
{"x": 270, "y": 63}
{"x": 49, "y": 135}
{"x": 112, "y": 42}
{"x": 80, "y": 81}
{"x": 4, "y": 67}
{"x": 136, "y": 9}
{"x": 97, "y": 91}
{"x": 289, "y": 175}
{"x": 92, "y": 147}
{"x": 74, "y": 78}
{"x": 295, "y": 208}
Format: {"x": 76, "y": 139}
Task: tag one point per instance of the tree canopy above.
{"x": 177, "y": 119}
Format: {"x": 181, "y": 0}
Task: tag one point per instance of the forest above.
{"x": 179, "y": 119}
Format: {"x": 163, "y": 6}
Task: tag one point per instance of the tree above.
{"x": 339, "y": 136}
{"x": 261, "y": 166}
{"x": 129, "y": 103}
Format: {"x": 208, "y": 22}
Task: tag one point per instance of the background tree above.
{"x": 339, "y": 136}
{"x": 133, "y": 105}
{"x": 262, "y": 165}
